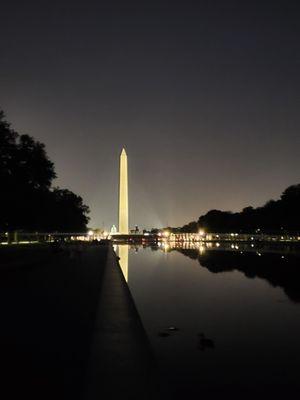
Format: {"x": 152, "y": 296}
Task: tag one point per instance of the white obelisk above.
{"x": 123, "y": 194}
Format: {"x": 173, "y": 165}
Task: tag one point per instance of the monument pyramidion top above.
{"x": 123, "y": 152}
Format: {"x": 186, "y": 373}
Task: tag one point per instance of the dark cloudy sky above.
{"x": 204, "y": 95}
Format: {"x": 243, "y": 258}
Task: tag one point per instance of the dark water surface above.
{"x": 245, "y": 303}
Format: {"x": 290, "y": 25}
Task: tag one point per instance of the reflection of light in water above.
{"x": 201, "y": 249}
{"x": 165, "y": 246}
{"x": 123, "y": 254}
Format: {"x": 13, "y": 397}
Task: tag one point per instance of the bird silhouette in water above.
{"x": 205, "y": 343}
{"x": 163, "y": 334}
{"x": 167, "y": 331}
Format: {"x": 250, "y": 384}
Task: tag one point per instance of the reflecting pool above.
{"x": 221, "y": 320}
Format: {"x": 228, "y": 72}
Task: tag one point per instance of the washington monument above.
{"x": 123, "y": 194}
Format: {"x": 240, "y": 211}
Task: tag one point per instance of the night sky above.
{"x": 204, "y": 95}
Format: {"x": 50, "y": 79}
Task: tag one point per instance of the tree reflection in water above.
{"x": 280, "y": 268}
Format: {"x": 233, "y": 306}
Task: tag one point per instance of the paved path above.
{"x": 121, "y": 353}
{"x": 52, "y": 338}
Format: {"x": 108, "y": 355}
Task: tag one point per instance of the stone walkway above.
{"x": 69, "y": 328}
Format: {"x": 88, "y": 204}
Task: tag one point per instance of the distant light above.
{"x": 218, "y": 244}
{"x": 90, "y": 233}
{"x": 166, "y": 233}
{"x": 201, "y": 232}
{"x": 146, "y": 234}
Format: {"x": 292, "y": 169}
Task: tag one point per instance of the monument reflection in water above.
{"x": 243, "y": 301}
{"x": 123, "y": 254}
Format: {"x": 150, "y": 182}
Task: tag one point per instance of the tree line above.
{"x": 28, "y": 201}
{"x": 276, "y": 216}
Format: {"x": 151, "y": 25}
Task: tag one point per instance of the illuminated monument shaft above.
{"x": 123, "y": 194}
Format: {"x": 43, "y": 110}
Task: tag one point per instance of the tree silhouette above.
{"x": 68, "y": 213}
{"x": 276, "y": 216}
{"x": 28, "y": 202}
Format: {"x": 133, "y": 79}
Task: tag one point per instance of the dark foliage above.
{"x": 27, "y": 201}
{"x": 68, "y": 210}
{"x": 268, "y": 267}
{"x": 276, "y": 216}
